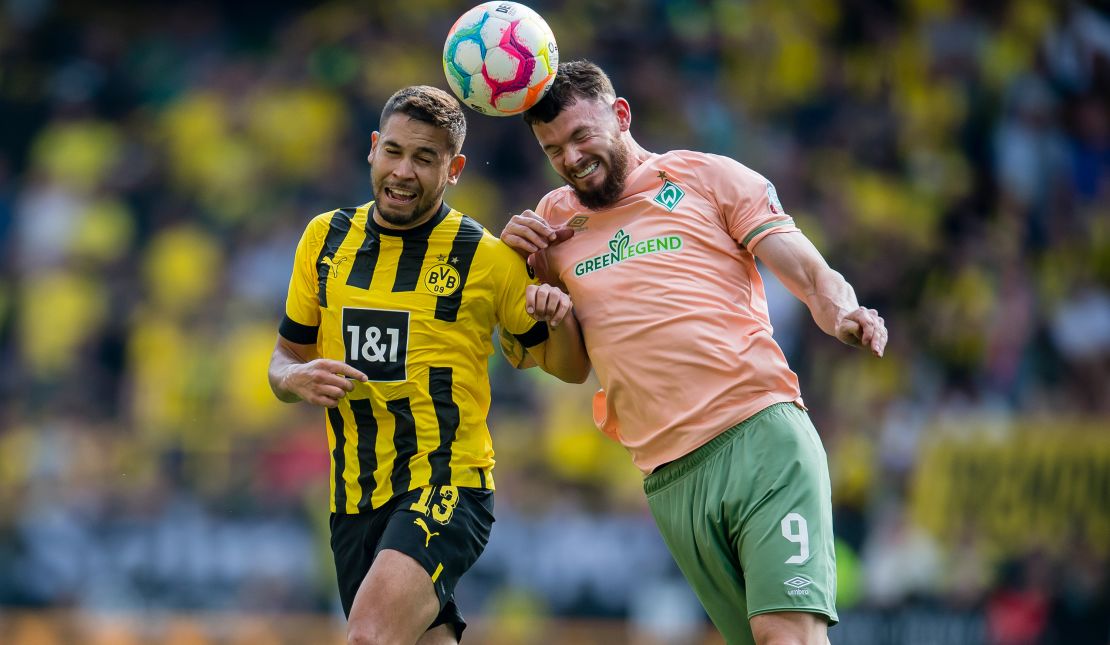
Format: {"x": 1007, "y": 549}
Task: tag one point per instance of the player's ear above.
{"x": 455, "y": 168}
{"x": 623, "y": 112}
{"x": 374, "y": 136}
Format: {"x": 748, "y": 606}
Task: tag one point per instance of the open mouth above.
{"x": 587, "y": 171}
{"x": 400, "y": 195}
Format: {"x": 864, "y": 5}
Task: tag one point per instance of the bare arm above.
{"x": 831, "y": 300}
{"x": 563, "y": 355}
{"x": 296, "y": 374}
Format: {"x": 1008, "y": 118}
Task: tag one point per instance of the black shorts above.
{"x": 444, "y": 528}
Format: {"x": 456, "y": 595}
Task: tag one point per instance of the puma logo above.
{"x": 428, "y": 540}
{"x": 334, "y": 264}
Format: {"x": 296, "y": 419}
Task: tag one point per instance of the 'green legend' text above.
{"x": 621, "y": 248}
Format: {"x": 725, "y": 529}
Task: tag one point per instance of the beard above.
{"x": 412, "y": 213}
{"x": 612, "y": 188}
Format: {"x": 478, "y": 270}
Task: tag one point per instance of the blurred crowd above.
{"x": 158, "y": 163}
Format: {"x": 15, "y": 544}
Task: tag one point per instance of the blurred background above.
{"x": 159, "y": 161}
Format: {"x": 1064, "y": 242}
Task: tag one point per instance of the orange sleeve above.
{"x": 747, "y": 202}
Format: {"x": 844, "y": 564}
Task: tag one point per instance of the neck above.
{"x": 637, "y": 154}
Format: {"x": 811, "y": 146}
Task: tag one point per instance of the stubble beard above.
{"x": 405, "y": 220}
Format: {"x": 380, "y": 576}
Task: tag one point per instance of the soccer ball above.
{"x": 500, "y": 58}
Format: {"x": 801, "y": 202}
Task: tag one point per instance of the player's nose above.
{"x": 571, "y": 156}
{"x": 404, "y": 169}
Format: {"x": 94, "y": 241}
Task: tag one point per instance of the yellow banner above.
{"x": 1038, "y": 486}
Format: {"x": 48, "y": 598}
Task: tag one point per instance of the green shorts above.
{"x": 748, "y": 519}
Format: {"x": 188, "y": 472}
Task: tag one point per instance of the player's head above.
{"x": 416, "y": 154}
{"x": 581, "y": 125}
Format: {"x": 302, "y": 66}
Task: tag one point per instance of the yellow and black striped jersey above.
{"x": 415, "y": 311}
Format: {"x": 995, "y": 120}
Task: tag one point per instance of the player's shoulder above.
{"x": 320, "y": 226}
{"x": 490, "y": 251}
{"x": 715, "y": 173}
{"x": 558, "y": 205}
{"x": 465, "y": 228}
{"x": 335, "y": 217}
{"x": 707, "y": 165}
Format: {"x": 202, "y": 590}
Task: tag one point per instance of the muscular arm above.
{"x": 563, "y": 355}
{"x": 831, "y": 300}
{"x": 297, "y": 374}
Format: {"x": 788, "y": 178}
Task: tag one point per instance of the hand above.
{"x": 547, "y": 303}
{"x": 322, "y": 381}
{"x": 527, "y": 233}
{"x": 863, "y": 328}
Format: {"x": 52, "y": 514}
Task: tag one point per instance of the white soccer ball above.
{"x": 500, "y": 58}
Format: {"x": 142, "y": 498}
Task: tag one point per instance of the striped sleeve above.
{"x": 302, "y": 308}
{"x": 512, "y": 312}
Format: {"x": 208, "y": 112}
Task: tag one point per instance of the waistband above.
{"x": 675, "y": 470}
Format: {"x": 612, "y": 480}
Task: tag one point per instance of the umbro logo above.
{"x": 798, "y": 584}
{"x": 578, "y": 222}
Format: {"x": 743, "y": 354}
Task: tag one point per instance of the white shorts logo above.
{"x": 799, "y": 584}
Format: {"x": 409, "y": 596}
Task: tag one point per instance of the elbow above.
{"x": 577, "y": 375}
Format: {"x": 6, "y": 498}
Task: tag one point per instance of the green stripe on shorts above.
{"x": 748, "y": 519}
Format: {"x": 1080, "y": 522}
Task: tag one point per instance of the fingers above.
{"x": 327, "y": 396}
{"x": 527, "y": 233}
{"x": 558, "y": 306}
{"x": 872, "y": 334}
{"x": 341, "y": 368}
{"x": 547, "y": 303}
{"x": 324, "y": 381}
{"x": 850, "y": 332}
{"x": 878, "y": 343}
{"x": 562, "y": 234}
{"x": 867, "y": 327}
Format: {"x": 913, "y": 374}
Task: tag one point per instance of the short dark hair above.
{"x": 576, "y": 79}
{"x": 429, "y": 105}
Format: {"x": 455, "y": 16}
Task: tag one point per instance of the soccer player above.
{"x": 661, "y": 266}
{"x": 388, "y": 325}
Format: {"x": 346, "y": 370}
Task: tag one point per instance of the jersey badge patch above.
{"x": 669, "y": 195}
{"x": 442, "y": 279}
{"x": 773, "y": 199}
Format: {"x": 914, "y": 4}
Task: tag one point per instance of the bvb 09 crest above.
{"x": 442, "y": 280}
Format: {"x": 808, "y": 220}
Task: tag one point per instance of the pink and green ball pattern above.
{"x": 500, "y": 58}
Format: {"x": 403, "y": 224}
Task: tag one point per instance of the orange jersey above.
{"x": 671, "y": 305}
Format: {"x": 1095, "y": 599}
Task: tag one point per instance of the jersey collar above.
{"x": 420, "y": 231}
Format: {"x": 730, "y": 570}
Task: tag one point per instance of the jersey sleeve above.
{"x": 301, "y": 322}
{"x": 512, "y": 312}
{"x": 748, "y": 204}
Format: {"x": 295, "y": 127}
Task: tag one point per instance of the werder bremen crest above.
{"x": 670, "y": 194}
{"x": 622, "y": 247}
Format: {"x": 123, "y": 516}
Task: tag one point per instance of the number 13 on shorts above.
{"x": 795, "y": 529}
